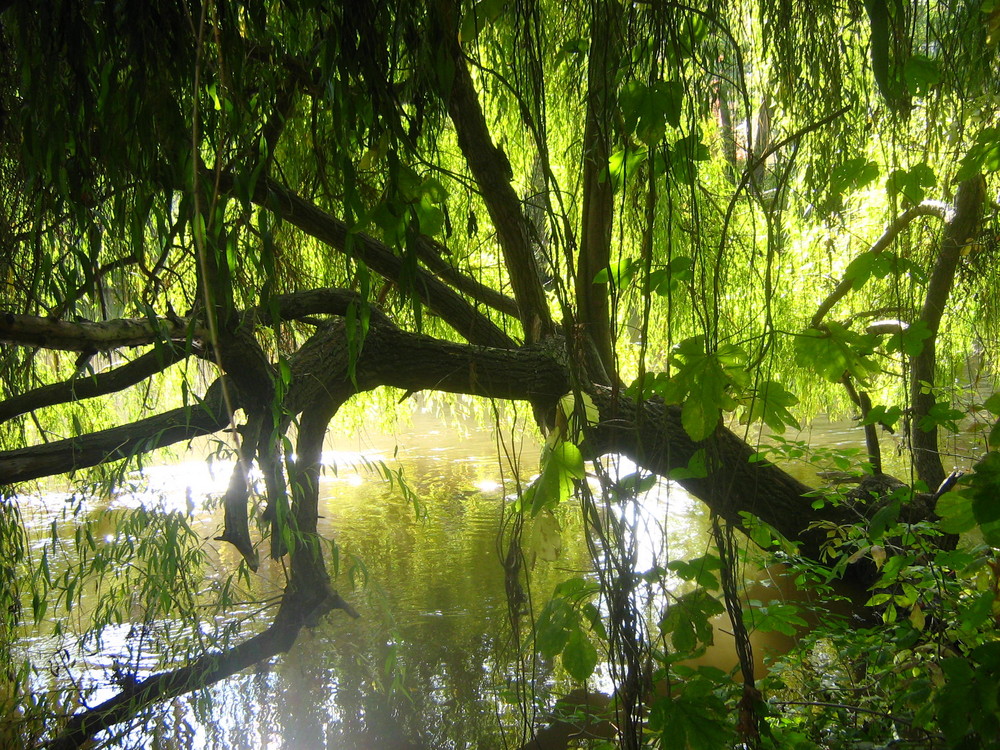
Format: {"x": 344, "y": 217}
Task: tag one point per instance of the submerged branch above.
{"x": 296, "y": 611}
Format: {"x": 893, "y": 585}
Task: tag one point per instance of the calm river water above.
{"x": 429, "y": 661}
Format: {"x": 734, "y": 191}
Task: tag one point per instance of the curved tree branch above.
{"x": 926, "y": 208}
{"x": 492, "y": 171}
{"x": 960, "y": 229}
{"x": 142, "y": 436}
{"x": 453, "y": 308}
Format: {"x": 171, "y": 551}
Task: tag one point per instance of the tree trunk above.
{"x": 959, "y": 230}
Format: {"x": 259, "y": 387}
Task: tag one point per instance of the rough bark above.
{"x": 651, "y": 433}
{"x": 959, "y": 230}
{"x": 593, "y": 301}
{"x": 492, "y": 172}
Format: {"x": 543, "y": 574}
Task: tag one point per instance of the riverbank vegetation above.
{"x": 672, "y": 233}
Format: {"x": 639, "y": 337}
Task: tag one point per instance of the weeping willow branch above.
{"x": 101, "y": 384}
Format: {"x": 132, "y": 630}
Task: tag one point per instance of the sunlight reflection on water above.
{"x": 428, "y": 660}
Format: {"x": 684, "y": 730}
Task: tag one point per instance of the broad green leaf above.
{"x": 880, "y": 414}
{"x": 694, "y": 720}
{"x": 623, "y": 164}
{"x": 910, "y": 183}
{"x": 984, "y": 156}
{"x": 561, "y": 464}
{"x": 921, "y": 74}
{"x": 579, "y": 656}
{"x": 940, "y": 415}
{"x": 910, "y": 341}
{"x": 955, "y": 512}
{"x": 853, "y": 174}
{"x": 553, "y": 625}
{"x": 769, "y": 403}
{"x": 836, "y": 351}
{"x": 985, "y": 489}
{"x": 879, "y": 265}
{"x": 698, "y": 570}
{"x": 697, "y": 468}
{"x": 688, "y": 620}
{"x": 546, "y": 537}
{"x": 775, "y": 616}
{"x": 992, "y": 404}
{"x": 647, "y": 110}
{"x": 663, "y": 281}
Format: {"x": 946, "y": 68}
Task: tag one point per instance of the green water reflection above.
{"x": 429, "y": 662}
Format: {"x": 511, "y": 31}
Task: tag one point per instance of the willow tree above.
{"x": 235, "y": 217}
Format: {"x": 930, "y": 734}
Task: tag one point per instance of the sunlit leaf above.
{"x": 579, "y": 656}
{"x": 910, "y": 340}
{"x": 955, "y": 512}
{"x": 853, "y": 174}
{"x": 769, "y": 403}
{"x": 836, "y": 351}
{"x": 546, "y": 537}
{"x": 921, "y": 74}
{"x": 984, "y": 156}
{"x": 910, "y": 183}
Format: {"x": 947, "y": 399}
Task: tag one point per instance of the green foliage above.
{"x": 562, "y": 464}
{"x": 879, "y": 265}
{"x": 853, "y": 174}
{"x": 836, "y": 351}
{"x": 648, "y": 109}
{"x": 983, "y": 156}
{"x": 909, "y": 341}
{"x": 770, "y": 403}
{"x": 968, "y": 704}
{"x": 696, "y": 718}
{"x": 704, "y": 384}
{"x": 563, "y": 624}
{"x": 687, "y": 621}
{"x": 910, "y": 183}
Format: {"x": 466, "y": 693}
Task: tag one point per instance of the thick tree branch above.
{"x": 959, "y": 230}
{"x": 651, "y": 434}
{"x": 72, "y": 454}
{"x": 492, "y": 172}
{"x": 85, "y": 336}
{"x": 593, "y": 308}
{"x": 432, "y": 254}
{"x": 453, "y": 309}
